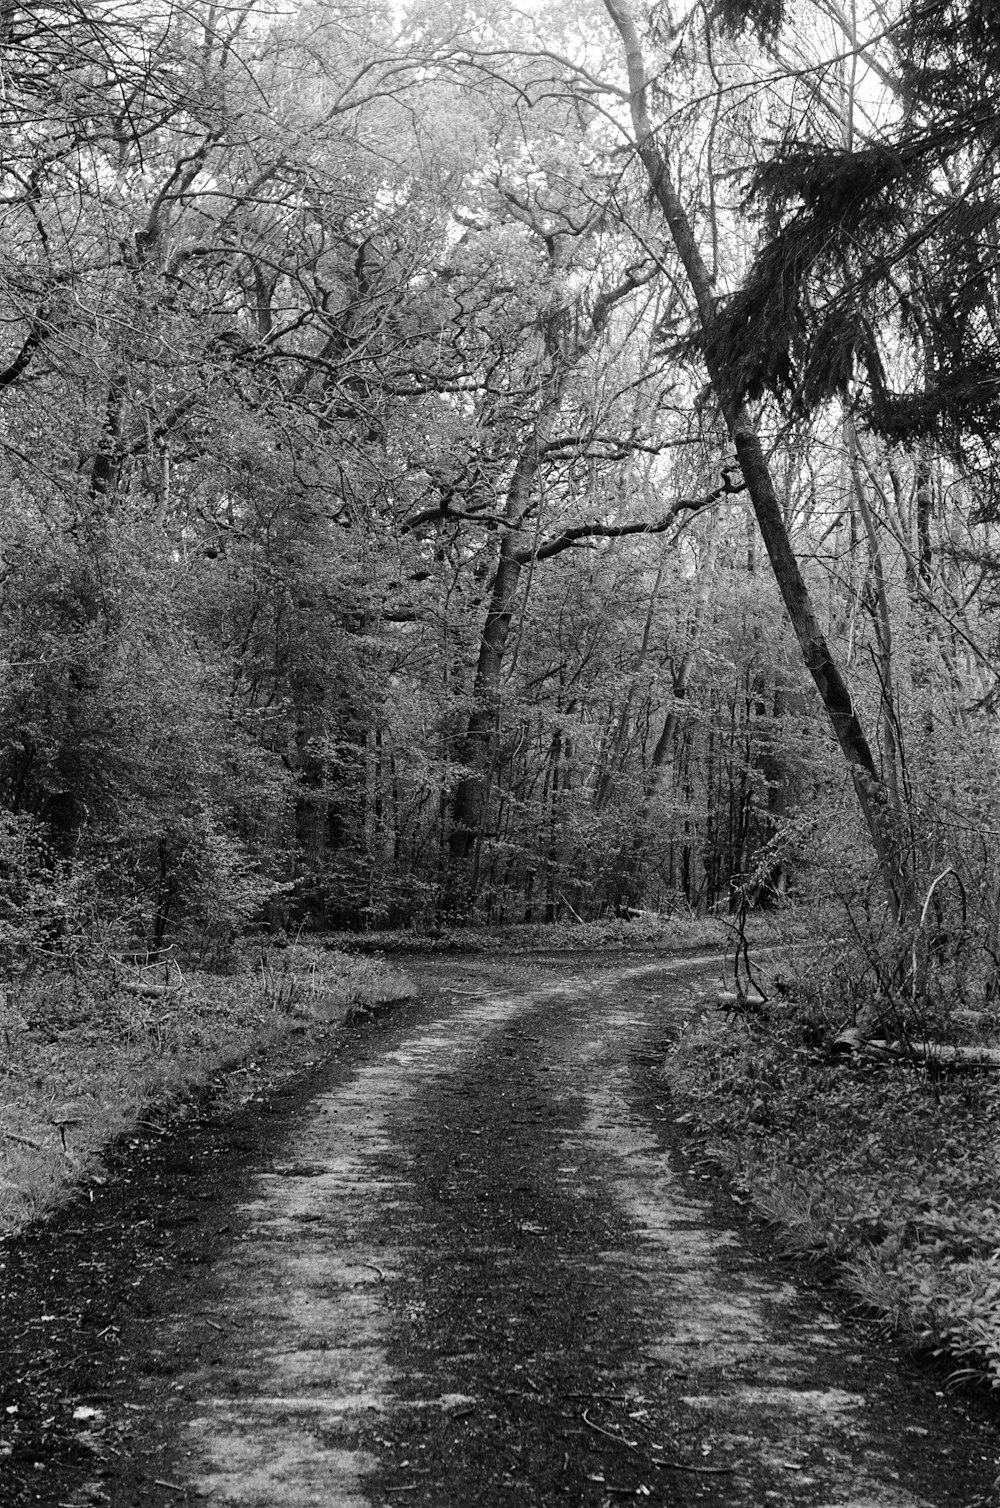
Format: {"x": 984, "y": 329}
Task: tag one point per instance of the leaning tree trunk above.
{"x": 871, "y": 791}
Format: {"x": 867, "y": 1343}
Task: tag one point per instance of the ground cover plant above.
{"x": 91, "y": 1051}
{"x": 888, "y": 1168}
{"x": 679, "y": 931}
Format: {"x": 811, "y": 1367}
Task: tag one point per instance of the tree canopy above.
{"x": 440, "y": 445}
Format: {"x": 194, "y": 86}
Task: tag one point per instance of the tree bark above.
{"x": 883, "y": 634}
{"x": 471, "y": 795}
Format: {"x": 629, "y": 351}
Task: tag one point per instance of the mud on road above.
{"x": 466, "y": 1259}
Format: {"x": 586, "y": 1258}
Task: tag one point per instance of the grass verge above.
{"x": 91, "y": 1054}
{"x": 887, "y": 1170}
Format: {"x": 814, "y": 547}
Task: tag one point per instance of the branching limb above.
{"x": 579, "y": 532}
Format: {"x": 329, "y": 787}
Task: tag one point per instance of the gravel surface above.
{"x": 459, "y": 1254}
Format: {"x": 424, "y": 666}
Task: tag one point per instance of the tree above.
{"x": 355, "y": 430}
{"x": 730, "y": 395}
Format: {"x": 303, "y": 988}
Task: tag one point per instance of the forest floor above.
{"x": 463, "y": 1251}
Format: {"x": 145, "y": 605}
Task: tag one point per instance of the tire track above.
{"x": 472, "y": 1275}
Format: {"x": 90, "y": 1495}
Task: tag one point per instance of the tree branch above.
{"x": 579, "y": 445}
{"x": 40, "y": 328}
{"x": 573, "y": 536}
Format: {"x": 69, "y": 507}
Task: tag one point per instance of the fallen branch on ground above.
{"x": 920, "y": 1052}
{"x": 733, "y": 1002}
{"x": 702, "y": 1471}
{"x": 941, "y": 1054}
{"x": 150, "y": 991}
{"x": 619, "y": 1439}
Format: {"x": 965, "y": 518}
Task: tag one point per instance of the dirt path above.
{"x": 470, "y": 1267}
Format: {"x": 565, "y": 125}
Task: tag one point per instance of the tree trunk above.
{"x": 477, "y": 754}
{"x": 662, "y": 762}
{"x": 826, "y": 674}
{"x": 615, "y": 763}
{"x": 892, "y": 757}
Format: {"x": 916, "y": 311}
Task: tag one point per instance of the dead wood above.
{"x": 151, "y": 991}
{"x": 938, "y": 1054}
{"x": 852, "y": 1040}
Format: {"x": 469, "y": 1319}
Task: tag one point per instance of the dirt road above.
{"x": 467, "y": 1264}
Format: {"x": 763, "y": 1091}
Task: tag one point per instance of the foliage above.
{"x": 762, "y": 16}
{"x": 374, "y": 555}
{"x": 876, "y": 250}
{"x": 368, "y": 561}
{"x": 39, "y": 895}
{"x": 887, "y": 1170}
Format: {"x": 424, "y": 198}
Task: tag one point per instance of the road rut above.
{"x": 474, "y": 1269}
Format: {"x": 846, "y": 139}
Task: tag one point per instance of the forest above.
{"x": 470, "y": 462}
{"x": 471, "y": 471}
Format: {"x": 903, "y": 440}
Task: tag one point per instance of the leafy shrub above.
{"x": 41, "y": 896}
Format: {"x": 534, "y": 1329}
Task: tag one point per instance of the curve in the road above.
{"x": 474, "y": 1276}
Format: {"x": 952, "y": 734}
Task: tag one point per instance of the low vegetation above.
{"x": 681, "y": 931}
{"x": 886, "y": 1168}
{"x": 97, "y": 1041}
{"x": 93, "y": 1051}
{"x": 678, "y": 932}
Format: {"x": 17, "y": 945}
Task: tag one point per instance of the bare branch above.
{"x": 580, "y": 532}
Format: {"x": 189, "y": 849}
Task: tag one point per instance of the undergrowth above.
{"x": 889, "y": 1169}
{"x": 678, "y": 932}
{"x": 88, "y": 1052}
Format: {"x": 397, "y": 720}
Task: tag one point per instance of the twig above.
{"x": 603, "y": 1397}
{"x": 371, "y": 1267}
{"x": 702, "y": 1471}
{"x": 620, "y": 1439}
{"x": 158, "y": 1482}
{"x": 566, "y": 903}
{"x": 25, "y": 1141}
{"x": 231, "y": 1324}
